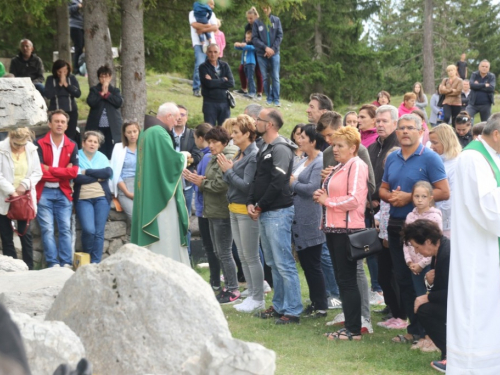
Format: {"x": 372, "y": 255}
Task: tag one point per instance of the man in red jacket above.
{"x": 59, "y": 158}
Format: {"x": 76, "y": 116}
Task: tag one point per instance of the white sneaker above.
{"x": 253, "y": 306}
{"x": 334, "y": 303}
{"x": 245, "y": 302}
{"x": 56, "y": 266}
{"x": 376, "y": 299}
{"x": 68, "y": 266}
{"x": 366, "y": 325}
{"x": 245, "y": 293}
{"x": 267, "y": 288}
{"x": 339, "y": 318}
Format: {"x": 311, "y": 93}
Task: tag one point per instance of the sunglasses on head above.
{"x": 462, "y": 120}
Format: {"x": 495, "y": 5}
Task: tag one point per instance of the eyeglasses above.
{"x": 409, "y": 128}
{"x": 183, "y": 114}
{"x": 261, "y": 119}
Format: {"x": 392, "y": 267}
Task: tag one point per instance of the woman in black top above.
{"x": 61, "y": 88}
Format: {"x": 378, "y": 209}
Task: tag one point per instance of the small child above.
{"x": 477, "y": 130}
{"x": 248, "y": 61}
{"x": 202, "y": 13}
{"x": 220, "y": 38}
{"x": 424, "y": 209}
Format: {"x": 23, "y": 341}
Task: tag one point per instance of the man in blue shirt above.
{"x": 403, "y": 169}
{"x": 266, "y": 37}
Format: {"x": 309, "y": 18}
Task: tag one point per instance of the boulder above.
{"x": 32, "y": 292}
{"x": 115, "y": 229}
{"x": 48, "y": 344}
{"x": 21, "y": 104}
{"x": 138, "y": 312}
{"x": 9, "y": 264}
{"x": 227, "y": 356}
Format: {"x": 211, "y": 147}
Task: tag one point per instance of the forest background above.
{"x": 347, "y": 49}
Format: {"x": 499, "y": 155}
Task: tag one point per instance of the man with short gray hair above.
{"x": 482, "y": 96}
{"x": 474, "y": 283}
{"x": 28, "y": 64}
{"x": 403, "y": 168}
{"x": 253, "y": 110}
{"x": 169, "y": 114}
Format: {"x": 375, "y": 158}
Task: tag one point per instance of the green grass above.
{"x": 302, "y": 349}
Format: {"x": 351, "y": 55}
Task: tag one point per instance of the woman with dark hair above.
{"x": 463, "y": 126}
{"x": 421, "y": 101}
{"x": 344, "y": 195}
{"x": 123, "y": 163}
{"x": 298, "y": 154}
{"x": 215, "y": 209}
{"x": 92, "y": 196}
{"x": 239, "y": 174}
{"x": 366, "y": 124}
{"x": 105, "y": 102}
{"x": 61, "y": 88}
{"x": 306, "y": 232}
{"x": 383, "y": 98}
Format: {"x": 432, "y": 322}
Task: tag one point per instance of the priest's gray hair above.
{"x": 166, "y": 109}
{"x": 388, "y": 108}
{"x": 411, "y": 117}
{"x": 492, "y": 124}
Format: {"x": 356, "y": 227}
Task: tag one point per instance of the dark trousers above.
{"x": 258, "y": 75}
{"x": 7, "y": 236}
{"x": 216, "y": 113}
{"x": 77, "y": 37}
{"x": 310, "y": 260}
{"x": 107, "y": 147}
{"x": 388, "y": 284}
{"x": 72, "y": 124}
{"x": 346, "y": 276}
{"x": 213, "y": 261}
{"x": 432, "y": 316}
{"x": 451, "y": 111}
{"x": 483, "y": 109}
{"x": 403, "y": 275}
{"x": 239, "y": 268}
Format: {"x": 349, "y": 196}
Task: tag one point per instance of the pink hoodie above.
{"x": 368, "y": 136}
{"x": 402, "y": 110}
{"x": 340, "y": 200}
{"x": 433, "y": 214}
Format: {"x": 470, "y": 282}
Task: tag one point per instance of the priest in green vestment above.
{"x": 160, "y": 217}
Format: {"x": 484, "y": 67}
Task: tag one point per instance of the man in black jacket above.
{"x": 431, "y": 309}
{"x": 216, "y": 78}
{"x": 482, "y": 97}
{"x": 270, "y": 201}
{"x": 28, "y": 64}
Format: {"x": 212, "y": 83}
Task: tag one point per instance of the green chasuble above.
{"x": 478, "y": 146}
{"x": 157, "y": 181}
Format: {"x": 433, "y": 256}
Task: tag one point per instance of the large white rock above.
{"x": 48, "y": 344}
{"x": 9, "y": 264}
{"x": 227, "y": 356}
{"x": 21, "y": 104}
{"x": 32, "y": 292}
{"x": 138, "y": 312}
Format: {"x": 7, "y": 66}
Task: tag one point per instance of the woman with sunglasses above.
{"x": 20, "y": 170}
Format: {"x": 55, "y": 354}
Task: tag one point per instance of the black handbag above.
{"x": 363, "y": 242}
{"x": 230, "y": 99}
{"x": 441, "y": 98}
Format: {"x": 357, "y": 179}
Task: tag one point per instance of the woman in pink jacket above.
{"x": 344, "y": 199}
{"x": 408, "y": 105}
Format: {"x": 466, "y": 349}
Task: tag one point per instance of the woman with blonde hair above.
{"x": 344, "y": 195}
{"x": 20, "y": 171}
{"x": 445, "y": 143}
{"x": 451, "y": 87}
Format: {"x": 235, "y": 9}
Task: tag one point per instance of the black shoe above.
{"x": 288, "y": 319}
{"x": 240, "y": 91}
{"x": 308, "y": 310}
{"x": 385, "y": 310}
{"x": 387, "y": 317}
{"x": 269, "y": 313}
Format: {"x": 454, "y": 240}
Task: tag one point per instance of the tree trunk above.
{"x": 429, "y": 83}
{"x": 318, "y": 37}
{"x": 63, "y": 39}
{"x": 133, "y": 75}
{"x": 97, "y": 39}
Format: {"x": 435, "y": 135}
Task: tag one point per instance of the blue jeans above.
{"x": 93, "y": 214}
{"x": 249, "y": 73}
{"x": 332, "y": 289}
{"x": 276, "y": 231}
{"x": 272, "y": 90}
{"x": 419, "y": 283}
{"x": 216, "y": 113}
{"x": 188, "y": 197}
{"x": 199, "y": 58}
{"x": 54, "y": 204}
{"x": 40, "y": 87}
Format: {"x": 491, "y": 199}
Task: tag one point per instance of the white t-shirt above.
{"x": 195, "y": 38}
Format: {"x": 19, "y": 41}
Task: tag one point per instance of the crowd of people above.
{"x": 258, "y": 194}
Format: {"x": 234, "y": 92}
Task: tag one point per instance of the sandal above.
{"x": 402, "y": 339}
{"x": 342, "y": 334}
